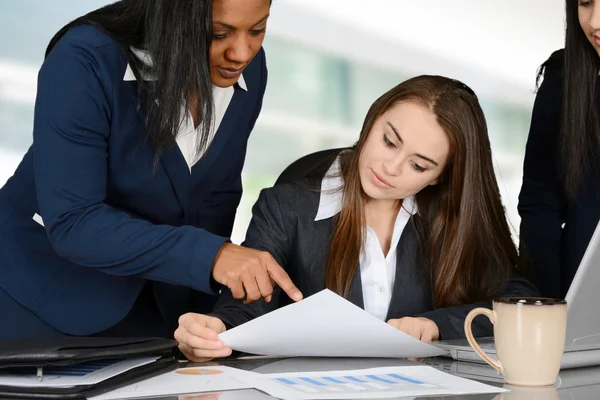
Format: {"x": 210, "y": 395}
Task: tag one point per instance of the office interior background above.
{"x": 328, "y": 60}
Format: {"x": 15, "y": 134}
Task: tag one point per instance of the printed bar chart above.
{"x": 80, "y": 369}
{"x": 350, "y": 383}
{"x": 370, "y": 383}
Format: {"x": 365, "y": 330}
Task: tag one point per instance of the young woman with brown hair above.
{"x": 407, "y": 224}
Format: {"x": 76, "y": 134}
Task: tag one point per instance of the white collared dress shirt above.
{"x": 377, "y": 271}
{"x": 187, "y": 138}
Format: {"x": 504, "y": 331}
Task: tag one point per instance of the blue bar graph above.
{"x": 78, "y": 370}
{"x": 333, "y": 380}
{"x": 379, "y": 379}
{"x": 354, "y": 379}
{"x": 286, "y": 381}
{"x": 312, "y": 381}
{"x": 370, "y": 383}
{"x": 402, "y": 378}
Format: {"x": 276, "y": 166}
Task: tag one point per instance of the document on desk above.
{"x": 324, "y": 325}
{"x": 373, "y": 383}
{"x": 89, "y": 373}
{"x": 184, "y": 380}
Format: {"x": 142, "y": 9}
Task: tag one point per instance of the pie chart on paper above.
{"x": 199, "y": 371}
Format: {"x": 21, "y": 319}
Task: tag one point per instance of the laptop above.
{"x": 567, "y": 379}
{"x": 582, "y": 345}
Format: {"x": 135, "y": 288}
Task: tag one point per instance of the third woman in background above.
{"x": 559, "y": 203}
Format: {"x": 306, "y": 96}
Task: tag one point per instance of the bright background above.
{"x": 328, "y": 61}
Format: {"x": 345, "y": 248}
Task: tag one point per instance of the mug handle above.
{"x": 492, "y": 317}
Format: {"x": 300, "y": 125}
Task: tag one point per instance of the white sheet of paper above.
{"x": 373, "y": 383}
{"x": 76, "y": 375}
{"x": 184, "y": 380}
{"x": 249, "y": 394}
{"x": 324, "y": 325}
{"x": 246, "y": 394}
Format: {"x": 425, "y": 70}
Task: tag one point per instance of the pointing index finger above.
{"x": 281, "y": 277}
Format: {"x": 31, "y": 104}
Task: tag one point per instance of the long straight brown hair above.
{"x": 462, "y": 231}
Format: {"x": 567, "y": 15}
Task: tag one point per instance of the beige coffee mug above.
{"x": 529, "y": 334}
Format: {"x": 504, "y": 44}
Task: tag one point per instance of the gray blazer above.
{"x": 283, "y": 224}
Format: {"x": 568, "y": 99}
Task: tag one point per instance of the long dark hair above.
{"x": 177, "y": 34}
{"x": 579, "y": 129}
{"x": 464, "y": 234}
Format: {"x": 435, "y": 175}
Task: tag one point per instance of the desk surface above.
{"x": 582, "y": 383}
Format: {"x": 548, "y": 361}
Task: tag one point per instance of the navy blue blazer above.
{"x": 555, "y": 231}
{"x": 112, "y": 220}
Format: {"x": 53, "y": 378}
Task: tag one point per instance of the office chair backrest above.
{"x": 303, "y": 166}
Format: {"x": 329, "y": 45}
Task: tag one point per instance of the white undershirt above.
{"x": 188, "y": 136}
{"x": 377, "y": 271}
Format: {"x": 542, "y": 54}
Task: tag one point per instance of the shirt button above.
{"x": 380, "y": 289}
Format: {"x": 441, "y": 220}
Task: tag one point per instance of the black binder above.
{"x": 32, "y": 355}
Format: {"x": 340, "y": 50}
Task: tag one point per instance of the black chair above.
{"x": 310, "y": 163}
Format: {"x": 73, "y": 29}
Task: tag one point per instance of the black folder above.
{"x": 33, "y": 355}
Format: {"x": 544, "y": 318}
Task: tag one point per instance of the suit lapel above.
{"x": 403, "y": 257}
{"x": 225, "y": 132}
{"x": 316, "y": 244}
{"x": 174, "y": 163}
{"x": 318, "y": 240}
{"x": 178, "y": 172}
{"x": 356, "y": 292}
{"x": 412, "y": 292}
{"x": 171, "y": 159}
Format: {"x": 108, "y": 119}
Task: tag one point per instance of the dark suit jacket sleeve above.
{"x": 266, "y": 232}
{"x": 542, "y": 202}
{"x": 451, "y": 320}
{"x": 72, "y": 124}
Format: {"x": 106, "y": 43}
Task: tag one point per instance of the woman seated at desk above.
{"x": 407, "y": 224}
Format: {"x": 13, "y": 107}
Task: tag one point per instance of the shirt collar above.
{"x": 330, "y": 200}
{"x": 145, "y": 58}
